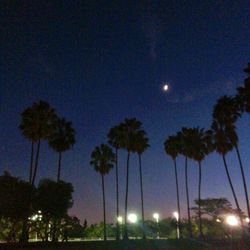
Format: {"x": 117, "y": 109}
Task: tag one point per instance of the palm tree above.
{"x": 103, "y": 159}
{"x": 185, "y": 149}
{"x": 116, "y": 139}
{"x": 130, "y": 128}
{"x": 226, "y": 113}
{"x": 172, "y": 148}
{"x": 36, "y": 125}
{"x": 141, "y": 145}
{"x": 223, "y": 145}
{"x": 200, "y": 147}
{"x": 61, "y": 139}
{"x": 244, "y": 92}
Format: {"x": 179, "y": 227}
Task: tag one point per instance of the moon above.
{"x": 165, "y": 87}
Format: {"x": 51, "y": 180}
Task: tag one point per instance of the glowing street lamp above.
{"x": 232, "y": 221}
{"x": 120, "y": 219}
{"x": 156, "y": 216}
{"x": 176, "y": 216}
{"x": 132, "y": 218}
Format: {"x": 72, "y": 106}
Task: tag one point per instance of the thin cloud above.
{"x": 219, "y": 88}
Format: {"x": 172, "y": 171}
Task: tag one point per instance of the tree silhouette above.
{"x": 172, "y": 147}
{"x": 103, "y": 159}
{"x": 223, "y": 145}
{"x": 116, "y": 139}
{"x": 61, "y": 139}
{"x": 130, "y": 128}
{"x": 36, "y": 125}
{"x": 200, "y": 146}
{"x": 141, "y": 145}
{"x": 185, "y": 149}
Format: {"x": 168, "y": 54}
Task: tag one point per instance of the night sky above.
{"x": 98, "y": 62}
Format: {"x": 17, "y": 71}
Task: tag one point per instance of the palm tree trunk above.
{"x": 178, "y": 196}
{"x": 199, "y": 198}
{"x": 59, "y": 167}
{"x": 36, "y": 162}
{"x": 244, "y": 183}
{"x": 117, "y": 195}
{"x": 142, "y": 203}
{"x": 31, "y": 161}
{"x": 232, "y": 189}
{"x": 188, "y": 206}
{"x": 104, "y": 210}
{"x": 125, "y": 236}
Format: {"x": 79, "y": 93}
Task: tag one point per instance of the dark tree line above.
{"x": 20, "y": 200}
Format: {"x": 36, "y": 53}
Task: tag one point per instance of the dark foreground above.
{"x": 134, "y": 245}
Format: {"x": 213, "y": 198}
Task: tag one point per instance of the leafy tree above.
{"x": 54, "y": 199}
{"x": 141, "y": 145}
{"x": 116, "y": 139}
{"x": 213, "y": 207}
{"x": 172, "y": 147}
{"x": 36, "y": 125}
{"x": 15, "y": 199}
{"x": 103, "y": 159}
{"x": 61, "y": 139}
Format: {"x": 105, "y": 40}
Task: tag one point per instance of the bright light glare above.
{"x": 156, "y": 216}
{"x": 247, "y": 220}
{"x": 218, "y": 220}
{"x": 132, "y": 218}
{"x": 176, "y": 215}
{"x": 232, "y": 221}
{"x": 165, "y": 87}
{"x": 119, "y": 219}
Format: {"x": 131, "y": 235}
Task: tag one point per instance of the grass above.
{"x": 184, "y": 244}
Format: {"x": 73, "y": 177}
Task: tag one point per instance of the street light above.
{"x": 176, "y": 216}
{"x": 120, "y": 219}
{"x": 232, "y": 221}
{"x": 156, "y": 216}
{"x": 132, "y": 218}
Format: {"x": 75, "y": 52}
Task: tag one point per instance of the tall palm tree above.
{"x": 61, "y": 139}
{"x": 116, "y": 139}
{"x": 141, "y": 145}
{"x": 185, "y": 149}
{"x": 130, "y": 128}
{"x": 200, "y": 146}
{"x": 36, "y": 125}
{"x": 223, "y": 145}
{"x": 226, "y": 112}
{"x": 103, "y": 159}
{"x": 172, "y": 148}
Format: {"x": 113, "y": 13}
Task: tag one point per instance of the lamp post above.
{"x": 176, "y": 216}
{"x": 233, "y": 222}
{"x": 120, "y": 220}
{"x": 156, "y": 216}
{"x": 132, "y": 218}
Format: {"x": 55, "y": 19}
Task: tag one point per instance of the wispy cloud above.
{"x": 219, "y": 88}
{"x": 151, "y": 27}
